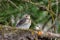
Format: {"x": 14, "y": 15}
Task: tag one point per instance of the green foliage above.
{"x": 37, "y": 15}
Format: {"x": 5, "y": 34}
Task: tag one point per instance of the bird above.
{"x": 25, "y": 22}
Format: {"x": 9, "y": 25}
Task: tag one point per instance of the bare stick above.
{"x": 13, "y": 4}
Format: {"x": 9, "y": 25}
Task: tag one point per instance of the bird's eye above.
{"x": 26, "y": 16}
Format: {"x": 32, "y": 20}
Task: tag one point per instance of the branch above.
{"x": 13, "y": 4}
{"x": 48, "y": 34}
{"x": 53, "y": 35}
{"x": 10, "y": 31}
{"x": 56, "y": 14}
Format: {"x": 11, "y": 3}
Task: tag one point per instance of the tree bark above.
{"x": 12, "y": 33}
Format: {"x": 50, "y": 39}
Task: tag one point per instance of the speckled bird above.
{"x": 25, "y": 22}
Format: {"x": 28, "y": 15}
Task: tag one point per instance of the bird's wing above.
{"x": 21, "y": 22}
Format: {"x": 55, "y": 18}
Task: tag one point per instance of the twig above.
{"x": 39, "y": 5}
{"x": 53, "y": 35}
{"x": 46, "y": 22}
{"x": 13, "y": 4}
{"x": 48, "y": 34}
{"x": 56, "y": 16}
{"x": 50, "y": 9}
{"x": 51, "y": 13}
{"x": 56, "y": 13}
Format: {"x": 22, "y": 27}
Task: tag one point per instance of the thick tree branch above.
{"x": 10, "y": 31}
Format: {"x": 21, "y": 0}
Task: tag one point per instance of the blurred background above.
{"x": 43, "y": 12}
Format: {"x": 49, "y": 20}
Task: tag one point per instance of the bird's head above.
{"x": 26, "y": 16}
